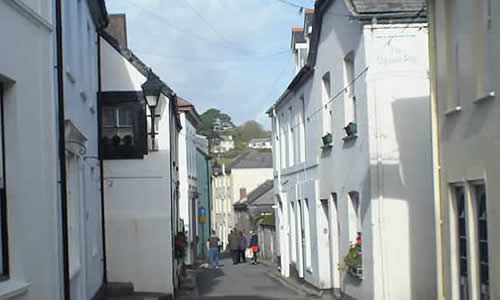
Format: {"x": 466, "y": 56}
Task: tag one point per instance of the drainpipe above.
{"x": 435, "y": 149}
{"x": 101, "y": 162}
{"x": 62, "y": 149}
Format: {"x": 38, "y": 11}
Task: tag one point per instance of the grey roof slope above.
{"x": 253, "y": 160}
{"x": 260, "y": 196}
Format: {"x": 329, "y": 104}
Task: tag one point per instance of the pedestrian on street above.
{"x": 213, "y": 249}
{"x": 234, "y": 245}
{"x": 254, "y": 245}
{"x": 243, "y": 247}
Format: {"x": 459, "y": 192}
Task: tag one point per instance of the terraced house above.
{"x": 352, "y": 152}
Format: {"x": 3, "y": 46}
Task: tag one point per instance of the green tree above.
{"x": 213, "y": 122}
{"x": 250, "y": 130}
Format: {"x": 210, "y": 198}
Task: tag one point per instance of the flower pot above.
{"x": 327, "y": 139}
{"x": 351, "y": 129}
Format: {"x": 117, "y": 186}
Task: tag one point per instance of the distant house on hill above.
{"x": 264, "y": 143}
{"x": 224, "y": 144}
{"x": 231, "y": 183}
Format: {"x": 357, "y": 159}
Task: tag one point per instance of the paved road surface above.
{"x": 241, "y": 282}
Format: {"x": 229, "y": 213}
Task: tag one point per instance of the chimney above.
{"x": 118, "y": 28}
{"x": 243, "y": 193}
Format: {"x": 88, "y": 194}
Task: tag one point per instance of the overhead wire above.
{"x": 221, "y": 36}
{"x": 357, "y": 77}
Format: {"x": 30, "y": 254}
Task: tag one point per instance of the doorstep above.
{"x": 300, "y": 287}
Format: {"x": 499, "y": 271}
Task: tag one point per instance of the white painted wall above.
{"x": 80, "y": 96}
{"x": 139, "y": 199}
{"x": 138, "y": 222}
{"x": 468, "y": 137}
{"x": 26, "y": 70}
{"x": 392, "y": 176}
{"x": 188, "y": 182}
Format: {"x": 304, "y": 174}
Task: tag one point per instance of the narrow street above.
{"x": 241, "y": 282}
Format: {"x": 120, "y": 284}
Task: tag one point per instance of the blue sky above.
{"x": 233, "y": 55}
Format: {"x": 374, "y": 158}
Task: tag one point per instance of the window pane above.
{"x": 108, "y": 116}
{"x": 127, "y": 131}
{"x": 109, "y": 132}
{"x": 125, "y": 117}
{"x": 482, "y": 223}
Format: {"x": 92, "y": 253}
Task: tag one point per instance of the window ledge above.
{"x": 350, "y": 137}
{"x": 326, "y": 147}
{"x": 453, "y": 110}
{"x": 12, "y": 288}
{"x": 490, "y": 95}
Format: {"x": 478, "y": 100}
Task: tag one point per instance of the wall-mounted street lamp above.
{"x": 152, "y": 90}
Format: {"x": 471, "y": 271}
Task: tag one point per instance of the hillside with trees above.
{"x": 215, "y": 124}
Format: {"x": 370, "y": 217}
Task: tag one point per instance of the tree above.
{"x": 250, "y": 130}
{"x": 213, "y": 122}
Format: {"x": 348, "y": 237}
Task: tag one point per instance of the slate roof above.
{"x": 253, "y": 160}
{"x": 260, "y": 196}
{"x": 379, "y": 6}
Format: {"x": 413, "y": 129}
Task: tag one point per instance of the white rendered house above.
{"x": 465, "y": 82}
{"x": 224, "y": 144}
{"x": 188, "y": 187}
{"x": 352, "y": 153}
{"x": 232, "y": 183}
{"x": 51, "y": 245}
{"x": 140, "y": 175}
{"x": 264, "y": 143}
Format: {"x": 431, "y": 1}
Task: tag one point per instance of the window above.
{"x": 354, "y": 221}
{"x": 291, "y": 142}
{"x": 350, "y": 99}
{"x": 484, "y": 22}
{"x": 302, "y": 133}
{"x": 452, "y": 49}
{"x": 327, "y": 114}
{"x": 462, "y": 243}
{"x": 482, "y": 230}
{"x": 4, "y": 254}
{"x": 123, "y": 125}
{"x": 282, "y": 137}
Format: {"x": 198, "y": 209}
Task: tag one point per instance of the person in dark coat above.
{"x": 254, "y": 245}
{"x": 243, "y": 247}
{"x": 234, "y": 246}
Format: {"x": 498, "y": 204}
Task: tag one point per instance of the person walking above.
{"x": 243, "y": 247}
{"x": 234, "y": 245}
{"x": 213, "y": 249}
{"x": 254, "y": 245}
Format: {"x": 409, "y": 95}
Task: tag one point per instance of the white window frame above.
{"x": 326, "y": 86}
{"x": 350, "y": 108}
{"x": 354, "y": 218}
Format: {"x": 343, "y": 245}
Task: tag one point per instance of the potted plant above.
{"x": 351, "y": 129}
{"x": 352, "y": 260}
{"x": 180, "y": 245}
{"x": 327, "y": 139}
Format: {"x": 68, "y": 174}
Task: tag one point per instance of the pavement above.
{"x": 241, "y": 282}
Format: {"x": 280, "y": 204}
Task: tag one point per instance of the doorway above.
{"x": 334, "y": 223}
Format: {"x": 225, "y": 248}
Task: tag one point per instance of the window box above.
{"x": 327, "y": 140}
{"x": 123, "y": 125}
{"x": 351, "y": 129}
